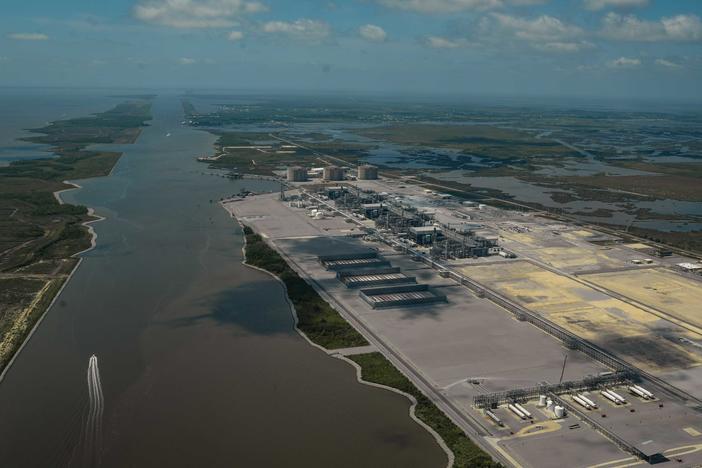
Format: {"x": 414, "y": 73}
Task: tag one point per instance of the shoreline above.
{"x": 91, "y": 212}
{"x": 335, "y": 354}
{"x": 93, "y": 243}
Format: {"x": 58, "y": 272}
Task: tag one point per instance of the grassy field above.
{"x": 317, "y": 319}
{"x": 377, "y": 369}
{"x": 38, "y": 235}
{"x": 266, "y": 161}
{"x": 624, "y": 188}
{"x": 22, "y": 301}
{"x": 484, "y": 141}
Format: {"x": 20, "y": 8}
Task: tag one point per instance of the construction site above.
{"x": 549, "y": 344}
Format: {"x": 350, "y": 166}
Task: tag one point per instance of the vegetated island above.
{"x": 39, "y": 236}
{"x": 324, "y": 326}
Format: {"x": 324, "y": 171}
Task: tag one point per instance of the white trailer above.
{"x": 523, "y": 410}
{"x": 516, "y": 411}
{"x": 588, "y": 401}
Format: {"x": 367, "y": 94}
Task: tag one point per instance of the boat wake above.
{"x": 93, "y": 424}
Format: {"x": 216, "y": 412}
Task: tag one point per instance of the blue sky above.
{"x": 610, "y": 48}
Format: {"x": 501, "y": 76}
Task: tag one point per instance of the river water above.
{"x": 197, "y": 360}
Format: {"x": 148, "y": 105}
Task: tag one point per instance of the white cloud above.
{"x": 541, "y": 29}
{"x": 624, "y": 62}
{"x": 195, "y": 13}
{"x": 187, "y": 61}
{"x": 667, "y": 64}
{"x": 28, "y": 36}
{"x": 564, "y": 47}
{"x": 235, "y": 36}
{"x": 453, "y": 6}
{"x": 438, "y": 42}
{"x": 597, "y": 5}
{"x": 682, "y": 28}
{"x": 441, "y": 6}
{"x": 302, "y": 29}
{"x": 373, "y": 33}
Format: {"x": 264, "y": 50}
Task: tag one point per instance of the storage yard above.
{"x": 528, "y": 333}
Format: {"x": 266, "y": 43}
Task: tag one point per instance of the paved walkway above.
{"x": 356, "y": 350}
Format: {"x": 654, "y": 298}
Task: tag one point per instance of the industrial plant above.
{"x": 544, "y": 341}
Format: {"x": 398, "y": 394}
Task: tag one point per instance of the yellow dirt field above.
{"x": 664, "y": 290}
{"x": 568, "y": 250}
{"x": 626, "y": 330}
{"x": 638, "y": 246}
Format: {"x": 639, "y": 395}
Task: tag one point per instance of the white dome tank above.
{"x": 559, "y": 411}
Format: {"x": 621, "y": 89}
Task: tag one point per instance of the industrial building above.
{"x": 297, "y": 174}
{"x": 361, "y": 277}
{"x": 333, "y": 173}
{"x": 393, "y": 296}
{"x": 372, "y": 210}
{"x": 367, "y": 172}
{"x": 425, "y": 235}
{"x": 351, "y": 261}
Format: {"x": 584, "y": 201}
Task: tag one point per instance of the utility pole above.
{"x": 565, "y": 359}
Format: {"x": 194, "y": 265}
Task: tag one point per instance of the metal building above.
{"x": 297, "y": 174}
{"x": 367, "y": 172}
{"x": 406, "y": 294}
{"x": 373, "y": 276}
{"x": 425, "y": 235}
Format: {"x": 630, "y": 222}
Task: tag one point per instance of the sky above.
{"x": 602, "y": 48}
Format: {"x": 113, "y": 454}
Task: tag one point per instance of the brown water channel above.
{"x": 198, "y": 362}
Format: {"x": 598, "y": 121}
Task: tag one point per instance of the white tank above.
{"x": 516, "y": 411}
{"x": 297, "y": 174}
{"x": 542, "y": 400}
{"x": 580, "y": 401}
{"x": 617, "y": 396}
{"x": 367, "y": 172}
{"x": 523, "y": 410}
{"x": 650, "y": 395}
{"x": 559, "y": 411}
{"x": 333, "y": 173}
{"x": 610, "y": 397}
{"x": 549, "y": 404}
{"x": 588, "y": 401}
{"x": 638, "y": 393}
